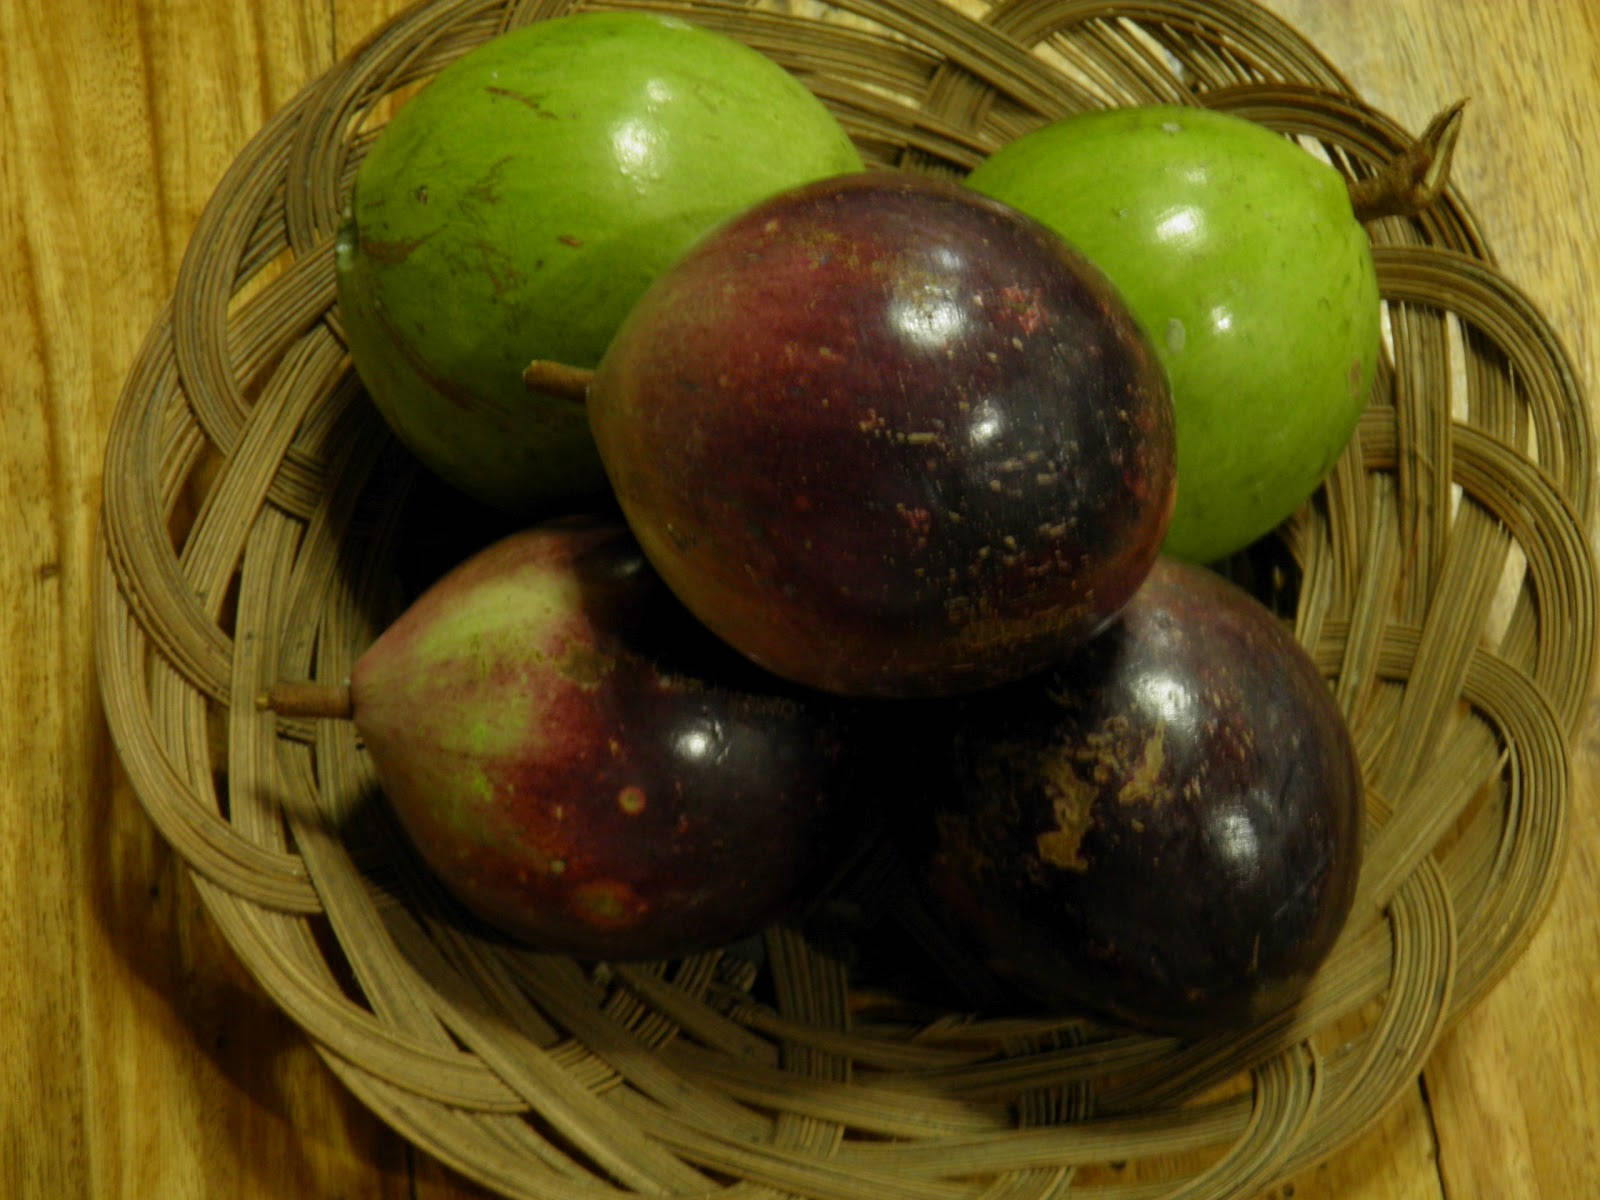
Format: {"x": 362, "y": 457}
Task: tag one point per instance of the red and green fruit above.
{"x": 518, "y": 205}
{"x": 1165, "y": 829}
{"x": 586, "y": 769}
{"x": 888, "y": 437}
{"x": 1239, "y": 252}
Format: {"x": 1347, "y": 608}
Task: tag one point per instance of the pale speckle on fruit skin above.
{"x": 1177, "y": 336}
{"x": 608, "y": 904}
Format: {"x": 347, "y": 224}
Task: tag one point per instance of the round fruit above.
{"x": 887, "y": 437}
{"x": 1240, "y": 254}
{"x": 583, "y": 766}
{"x": 1165, "y": 829}
{"x": 518, "y": 205}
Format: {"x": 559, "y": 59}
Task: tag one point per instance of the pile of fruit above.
{"x": 850, "y": 499}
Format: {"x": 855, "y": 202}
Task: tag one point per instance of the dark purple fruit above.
{"x": 584, "y": 767}
{"x": 1165, "y": 829}
{"x": 888, "y": 437}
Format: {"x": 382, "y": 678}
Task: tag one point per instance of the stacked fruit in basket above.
{"x": 848, "y": 501}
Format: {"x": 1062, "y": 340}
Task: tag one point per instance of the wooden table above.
{"x": 137, "y": 1058}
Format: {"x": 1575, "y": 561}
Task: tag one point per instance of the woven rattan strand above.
{"x": 1441, "y": 580}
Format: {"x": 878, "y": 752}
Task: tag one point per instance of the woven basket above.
{"x": 1442, "y": 580}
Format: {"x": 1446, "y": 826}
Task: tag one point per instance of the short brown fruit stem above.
{"x": 558, "y": 379}
{"x": 326, "y": 700}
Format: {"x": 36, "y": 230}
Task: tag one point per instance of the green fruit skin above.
{"x": 1239, "y": 253}
{"x": 516, "y": 207}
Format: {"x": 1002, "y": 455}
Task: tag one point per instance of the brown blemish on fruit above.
{"x": 524, "y": 99}
{"x": 1072, "y": 804}
{"x": 487, "y": 189}
{"x": 918, "y": 520}
{"x": 570, "y": 239}
{"x": 1144, "y": 785}
{"x": 393, "y": 253}
{"x": 1024, "y": 305}
{"x": 457, "y": 395}
{"x": 584, "y": 666}
{"x": 631, "y": 800}
{"x": 499, "y": 266}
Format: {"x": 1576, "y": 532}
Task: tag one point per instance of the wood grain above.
{"x": 137, "y": 1058}
{"x": 1514, "y": 1090}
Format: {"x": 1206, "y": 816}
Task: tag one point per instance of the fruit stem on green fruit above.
{"x": 308, "y": 700}
{"x": 1414, "y": 179}
{"x": 558, "y": 379}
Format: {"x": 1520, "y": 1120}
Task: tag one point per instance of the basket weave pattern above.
{"x": 1441, "y": 579}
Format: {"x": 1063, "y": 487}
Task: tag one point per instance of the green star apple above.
{"x": 516, "y": 207}
{"x": 1240, "y": 254}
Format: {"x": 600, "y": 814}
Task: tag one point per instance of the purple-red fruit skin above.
{"x": 1165, "y": 829}
{"x": 583, "y": 767}
{"x": 889, "y": 438}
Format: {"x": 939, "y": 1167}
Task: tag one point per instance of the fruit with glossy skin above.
{"x": 586, "y": 769}
{"x": 519, "y": 204}
{"x": 887, "y": 437}
{"x": 1165, "y": 829}
{"x": 1240, "y": 254}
